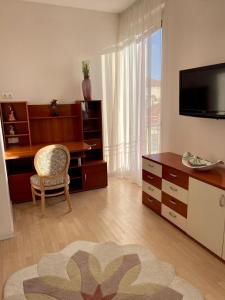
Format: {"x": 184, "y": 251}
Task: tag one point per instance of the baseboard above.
{"x": 6, "y": 236}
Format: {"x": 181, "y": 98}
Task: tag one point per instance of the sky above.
{"x": 155, "y": 51}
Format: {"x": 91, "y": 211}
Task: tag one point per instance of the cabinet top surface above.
{"x": 215, "y": 176}
{"x": 30, "y": 151}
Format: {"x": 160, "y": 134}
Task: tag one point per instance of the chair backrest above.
{"x": 52, "y": 160}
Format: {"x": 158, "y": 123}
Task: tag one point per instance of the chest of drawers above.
{"x": 186, "y": 198}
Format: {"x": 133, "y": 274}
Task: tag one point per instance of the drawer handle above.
{"x": 93, "y": 145}
{"x": 150, "y": 177}
{"x": 150, "y": 188}
{"x": 173, "y": 189}
{"x": 222, "y": 201}
{"x": 173, "y": 175}
{"x": 173, "y": 202}
{"x": 172, "y": 214}
{"x": 151, "y": 166}
{"x": 150, "y": 199}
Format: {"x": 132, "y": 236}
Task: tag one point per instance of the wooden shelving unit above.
{"x": 20, "y": 125}
{"x": 35, "y": 127}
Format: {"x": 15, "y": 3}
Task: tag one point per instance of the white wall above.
{"x": 6, "y": 221}
{"x": 41, "y": 51}
{"x": 194, "y": 35}
{"x": 42, "y": 47}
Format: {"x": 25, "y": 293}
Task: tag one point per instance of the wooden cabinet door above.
{"x": 95, "y": 176}
{"x": 206, "y": 215}
{"x": 20, "y": 188}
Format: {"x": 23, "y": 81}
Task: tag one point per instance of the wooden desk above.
{"x": 30, "y": 151}
{"x": 19, "y": 161}
{"x": 78, "y": 126}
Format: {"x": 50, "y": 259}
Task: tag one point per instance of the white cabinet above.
{"x": 206, "y": 215}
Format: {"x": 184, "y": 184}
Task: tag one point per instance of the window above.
{"x": 154, "y": 88}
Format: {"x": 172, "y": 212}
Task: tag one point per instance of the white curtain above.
{"x": 126, "y": 90}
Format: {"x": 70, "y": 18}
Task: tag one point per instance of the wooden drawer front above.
{"x": 176, "y": 177}
{"x": 152, "y": 179}
{"x": 152, "y": 167}
{"x": 151, "y": 190}
{"x": 174, "y": 217}
{"x": 175, "y": 204}
{"x": 174, "y": 190}
{"x": 151, "y": 202}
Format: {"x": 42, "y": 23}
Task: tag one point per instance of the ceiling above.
{"x": 111, "y": 6}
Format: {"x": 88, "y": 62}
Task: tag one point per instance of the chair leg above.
{"x": 67, "y": 196}
{"x": 33, "y": 195}
{"x": 43, "y": 202}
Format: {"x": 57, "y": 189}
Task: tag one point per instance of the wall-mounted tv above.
{"x": 202, "y": 92}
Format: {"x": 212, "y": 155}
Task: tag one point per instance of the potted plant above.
{"x": 86, "y": 83}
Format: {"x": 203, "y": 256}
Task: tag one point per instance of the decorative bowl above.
{"x": 197, "y": 163}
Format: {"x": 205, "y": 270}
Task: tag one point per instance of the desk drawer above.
{"x": 174, "y": 217}
{"x": 174, "y": 190}
{"x": 152, "y": 203}
{"x": 152, "y": 167}
{"x": 176, "y": 177}
{"x": 152, "y": 179}
{"x": 175, "y": 204}
{"x": 151, "y": 190}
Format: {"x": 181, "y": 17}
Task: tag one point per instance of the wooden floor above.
{"x": 116, "y": 214}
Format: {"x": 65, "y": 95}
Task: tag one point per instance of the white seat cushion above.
{"x": 35, "y": 180}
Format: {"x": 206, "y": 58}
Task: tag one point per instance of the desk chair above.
{"x": 52, "y": 164}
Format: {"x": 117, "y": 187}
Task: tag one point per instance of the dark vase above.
{"x": 86, "y": 88}
{"x": 54, "y": 107}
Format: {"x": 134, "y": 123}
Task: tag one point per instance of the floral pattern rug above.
{"x": 99, "y": 271}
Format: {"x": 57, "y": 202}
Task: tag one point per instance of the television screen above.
{"x": 202, "y": 91}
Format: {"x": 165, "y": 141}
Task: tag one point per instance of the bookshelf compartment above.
{"x": 90, "y": 124}
{"x": 19, "y": 108}
{"x": 91, "y": 109}
{"x": 76, "y": 185}
{"x": 94, "y": 154}
{"x": 92, "y": 134}
{"x": 75, "y": 173}
{"x": 17, "y": 140}
{"x": 19, "y": 128}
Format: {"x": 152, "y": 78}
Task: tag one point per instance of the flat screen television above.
{"x": 202, "y": 92}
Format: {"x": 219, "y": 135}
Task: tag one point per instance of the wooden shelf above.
{"x": 75, "y": 177}
{"x": 77, "y": 157}
{"x": 92, "y": 130}
{"x": 51, "y": 117}
{"x": 75, "y": 167}
{"x": 15, "y": 122}
{"x": 16, "y": 135}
